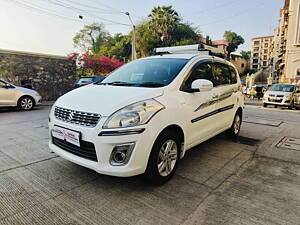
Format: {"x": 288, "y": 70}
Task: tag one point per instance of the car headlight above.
{"x": 134, "y": 115}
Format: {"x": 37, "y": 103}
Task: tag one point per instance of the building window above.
{"x": 265, "y": 57}
{"x": 242, "y": 65}
{"x": 298, "y": 26}
{"x": 256, "y": 42}
{"x": 255, "y": 55}
{"x": 264, "y": 63}
{"x": 298, "y": 72}
{"x": 266, "y": 51}
{"x": 266, "y": 45}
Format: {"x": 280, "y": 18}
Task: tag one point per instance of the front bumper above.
{"x": 37, "y": 99}
{"x": 277, "y": 101}
{"x": 104, "y": 146}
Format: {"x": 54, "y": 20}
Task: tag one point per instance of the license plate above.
{"x": 70, "y": 136}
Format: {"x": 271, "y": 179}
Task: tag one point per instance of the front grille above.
{"x": 86, "y": 149}
{"x": 77, "y": 117}
{"x": 275, "y": 100}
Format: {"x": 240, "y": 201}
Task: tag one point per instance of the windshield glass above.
{"x": 156, "y": 72}
{"x": 282, "y": 87}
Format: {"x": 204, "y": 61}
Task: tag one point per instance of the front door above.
{"x": 6, "y": 95}
{"x": 200, "y": 106}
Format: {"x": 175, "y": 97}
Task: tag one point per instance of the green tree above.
{"x": 163, "y": 20}
{"x": 146, "y": 41}
{"x": 184, "y": 33}
{"x": 91, "y": 37}
{"x": 234, "y": 40}
{"x": 117, "y": 46}
{"x": 246, "y": 54}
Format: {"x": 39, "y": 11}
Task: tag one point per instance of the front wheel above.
{"x": 164, "y": 158}
{"x": 292, "y": 105}
{"x": 235, "y": 128}
{"x": 26, "y": 103}
{"x": 265, "y": 105}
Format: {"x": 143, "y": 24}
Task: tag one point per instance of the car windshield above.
{"x": 282, "y": 87}
{"x": 156, "y": 72}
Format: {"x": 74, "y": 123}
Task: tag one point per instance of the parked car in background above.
{"x": 24, "y": 98}
{"x": 287, "y": 95}
{"x": 88, "y": 80}
{"x": 257, "y": 91}
{"x": 147, "y": 114}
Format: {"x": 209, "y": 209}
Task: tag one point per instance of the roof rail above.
{"x": 200, "y": 49}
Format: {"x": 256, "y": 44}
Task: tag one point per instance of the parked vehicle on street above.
{"x": 82, "y": 81}
{"x": 24, "y": 98}
{"x": 147, "y": 114}
{"x": 283, "y": 95}
{"x": 257, "y": 91}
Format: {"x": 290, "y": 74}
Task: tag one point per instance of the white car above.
{"x": 145, "y": 115}
{"x": 24, "y": 98}
{"x": 287, "y": 95}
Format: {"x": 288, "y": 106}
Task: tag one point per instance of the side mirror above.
{"x": 202, "y": 85}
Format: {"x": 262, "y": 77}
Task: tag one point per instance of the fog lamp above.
{"x": 120, "y": 154}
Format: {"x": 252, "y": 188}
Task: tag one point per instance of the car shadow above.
{"x": 16, "y": 109}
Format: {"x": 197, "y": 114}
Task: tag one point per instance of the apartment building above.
{"x": 286, "y": 44}
{"x": 291, "y": 72}
{"x": 261, "y": 52}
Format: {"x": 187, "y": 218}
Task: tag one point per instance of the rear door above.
{"x": 225, "y": 78}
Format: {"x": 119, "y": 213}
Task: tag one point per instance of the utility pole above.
{"x": 133, "y": 36}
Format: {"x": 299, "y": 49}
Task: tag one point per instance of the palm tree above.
{"x": 163, "y": 20}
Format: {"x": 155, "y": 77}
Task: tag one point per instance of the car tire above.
{"x": 234, "y": 130}
{"x": 164, "y": 158}
{"x": 26, "y": 103}
{"x": 265, "y": 105}
{"x": 292, "y": 105}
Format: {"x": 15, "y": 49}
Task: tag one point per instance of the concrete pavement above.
{"x": 218, "y": 182}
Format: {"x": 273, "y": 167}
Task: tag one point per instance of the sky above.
{"x": 48, "y": 26}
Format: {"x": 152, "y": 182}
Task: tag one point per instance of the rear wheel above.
{"x": 26, "y": 103}
{"x": 164, "y": 158}
{"x": 235, "y": 128}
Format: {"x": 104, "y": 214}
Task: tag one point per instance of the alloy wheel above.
{"x": 167, "y": 157}
{"x": 237, "y": 124}
{"x": 26, "y": 103}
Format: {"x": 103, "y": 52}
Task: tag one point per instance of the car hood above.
{"x": 26, "y": 90}
{"x": 278, "y": 93}
{"x": 105, "y": 100}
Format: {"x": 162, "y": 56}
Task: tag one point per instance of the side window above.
{"x": 2, "y": 84}
{"x": 202, "y": 71}
{"x": 233, "y": 75}
{"x": 222, "y": 75}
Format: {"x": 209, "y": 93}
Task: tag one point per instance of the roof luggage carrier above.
{"x": 201, "y": 49}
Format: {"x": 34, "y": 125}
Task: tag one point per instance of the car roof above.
{"x": 189, "y": 57}
{"x": 175, "y": 56}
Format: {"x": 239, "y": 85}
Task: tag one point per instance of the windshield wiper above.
{"x": 117, "y": 83}
{"x": 150, "y": 84}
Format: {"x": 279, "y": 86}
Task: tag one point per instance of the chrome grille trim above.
{"x": 76, "y": 117}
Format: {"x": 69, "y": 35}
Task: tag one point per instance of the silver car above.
{"x": 24, "y": 98}
{"x": 281, "y": 95}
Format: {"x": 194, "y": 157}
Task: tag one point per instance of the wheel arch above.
{"x": 24, "y": 96}
{"x": 178, "y": 129}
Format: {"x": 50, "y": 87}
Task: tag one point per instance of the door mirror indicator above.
{"x": 202, "y": 85}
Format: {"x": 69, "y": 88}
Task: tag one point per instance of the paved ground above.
{"x": 252, "y": 181}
